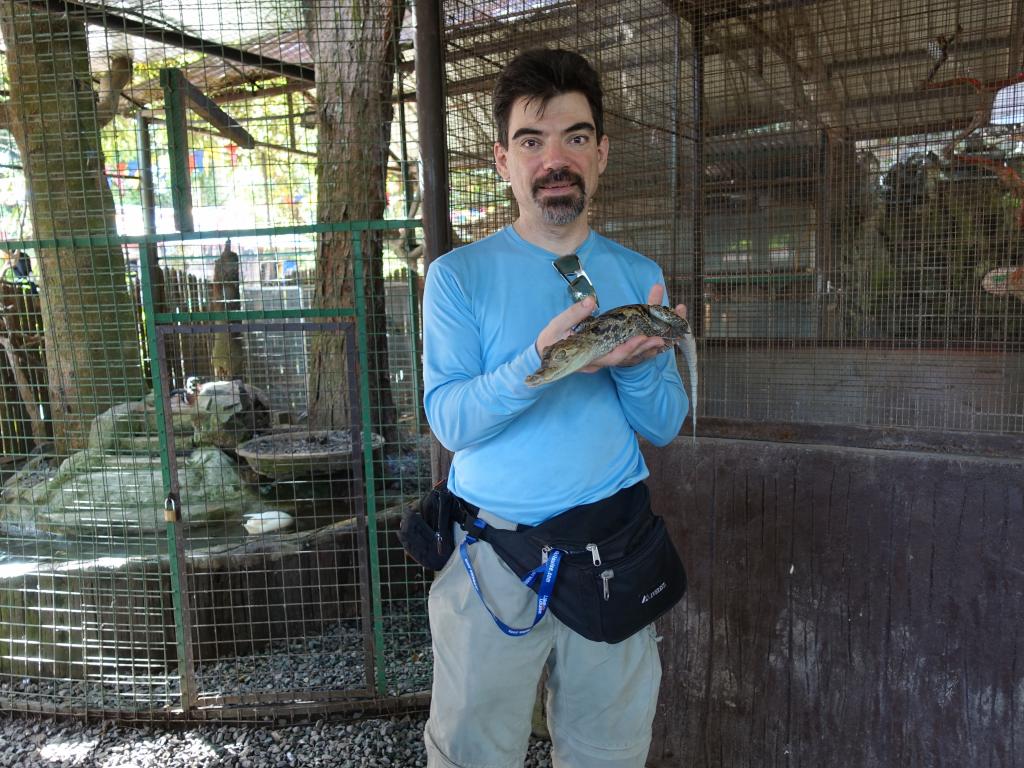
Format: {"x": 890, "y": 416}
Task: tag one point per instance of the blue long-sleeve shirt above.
{"x": 524, "y": 453}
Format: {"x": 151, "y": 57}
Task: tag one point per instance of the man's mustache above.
{"x": 558, "y": 177}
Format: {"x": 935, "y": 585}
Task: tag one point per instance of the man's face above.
{"x": 553, "y": 159}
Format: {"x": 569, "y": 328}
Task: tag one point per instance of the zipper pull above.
{"x": 594, "y": 553}
{"x": 607, "y": 576}
{"x": 440, "y": 542}
{"x": 544, "y": 552}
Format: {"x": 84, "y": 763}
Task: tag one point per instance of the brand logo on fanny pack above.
{"x": 654, "y": 593}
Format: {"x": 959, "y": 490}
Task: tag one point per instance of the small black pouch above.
{"x": 426, "y": 528}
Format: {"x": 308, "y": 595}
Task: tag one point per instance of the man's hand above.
{"x": 562, "y": 324}
{"x": 639, "y": 348}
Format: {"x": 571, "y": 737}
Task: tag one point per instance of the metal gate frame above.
{"x": 160, "y": 324}
{"x": 176, "y": 533}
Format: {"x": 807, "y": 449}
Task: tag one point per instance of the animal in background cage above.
{"x": 186, "y": 395}
{"x": 228, "y": 413}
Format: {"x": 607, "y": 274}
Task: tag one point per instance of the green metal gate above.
{"x": 251, "y": 603}
{"x": 221, "y": 545}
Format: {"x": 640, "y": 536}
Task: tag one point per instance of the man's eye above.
{"x": 578, "y": 139}
{"x": 531, "y": 144}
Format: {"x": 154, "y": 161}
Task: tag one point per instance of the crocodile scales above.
{"x": 597, "y": 336}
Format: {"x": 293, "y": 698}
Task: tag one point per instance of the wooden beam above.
{"x": 102, "y": 17}
{"x": 1016, "y": 44}
{"x": 207, "y": 108}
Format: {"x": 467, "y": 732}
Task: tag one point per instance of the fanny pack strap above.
{"x": 547, "y": 572}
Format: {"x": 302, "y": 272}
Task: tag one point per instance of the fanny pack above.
{"x": 606, "y": 569}
{"x": 426, "y": 527}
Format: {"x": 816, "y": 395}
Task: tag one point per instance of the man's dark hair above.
{"x": 541, "y": 74}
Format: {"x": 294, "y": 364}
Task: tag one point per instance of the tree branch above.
{"x": 24, "y": 391}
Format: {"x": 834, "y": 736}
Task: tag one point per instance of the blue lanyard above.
{"x": 548, "y": 571}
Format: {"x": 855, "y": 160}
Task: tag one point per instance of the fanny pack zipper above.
{"x": 595, "y": 553}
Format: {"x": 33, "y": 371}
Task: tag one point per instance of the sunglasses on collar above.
{"x": 571, "y": 270}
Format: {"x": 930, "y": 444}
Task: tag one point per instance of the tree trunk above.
{"x": 92, "y": 348}
{"x": 351, "y": 44}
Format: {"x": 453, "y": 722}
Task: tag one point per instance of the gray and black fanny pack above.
{"x": 616, "y": 568}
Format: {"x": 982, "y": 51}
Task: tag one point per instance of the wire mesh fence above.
{"x": 209, "y": 376}
{"x": 833, "y": 188}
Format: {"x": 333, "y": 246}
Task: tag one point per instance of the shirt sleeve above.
{"x": 465, "y": 404}
{"x": 652, "y": 396}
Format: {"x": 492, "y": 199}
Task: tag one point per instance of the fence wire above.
{"x": 833, "y": 188}
{"x": 212, "y": 288}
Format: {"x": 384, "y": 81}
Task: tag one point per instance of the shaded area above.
{"x": 842, "y": 601}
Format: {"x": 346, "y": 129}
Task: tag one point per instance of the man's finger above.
{"x": 626, "y": 352}
{"x": 569, "y": 318}
{"x": 563, "y": 323}
{"x": 579, "y": 311}
{"x": 573, "y": 316}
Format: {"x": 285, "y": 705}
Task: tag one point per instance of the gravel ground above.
{"x": 331, "y": 661}
{"x": 380, "y": 743}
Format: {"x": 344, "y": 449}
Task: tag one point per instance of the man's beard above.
{"x": 563, "y": 209}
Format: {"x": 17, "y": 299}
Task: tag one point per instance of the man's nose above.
{"x": 555, "y": 157}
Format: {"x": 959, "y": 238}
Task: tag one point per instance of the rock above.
{"x": 131, "y": 427}
{"x": 94, "y": 492}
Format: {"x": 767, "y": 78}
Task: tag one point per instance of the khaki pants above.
{"x": 601, "y": 697}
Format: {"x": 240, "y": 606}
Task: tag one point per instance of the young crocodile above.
{"x": 597, "y": 336}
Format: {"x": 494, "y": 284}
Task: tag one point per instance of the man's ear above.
{"x": 602, "y": 154}
{"x": 501, "y": 160}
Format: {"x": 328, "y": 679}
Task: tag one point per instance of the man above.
{"x": 526, "y": 454}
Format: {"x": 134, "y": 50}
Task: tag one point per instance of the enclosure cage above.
{"x": 209, "y": 375}
{"x": 210, "y": 388}
{"x": 833, "y": 188}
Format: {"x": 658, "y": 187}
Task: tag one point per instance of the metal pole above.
{"x": 177, "y": 148}
{"x": 430, "y": 76}
{"x": 677, "y": 165}
{"x": 430, "y": 80}
{"x": 697, "y": 305}
{"x": 146, "y": 175}
{"x": 412, "y": 283}
{"x": 403, "y": 160}
{"x": 149, "y": 251}
{"x": 823, "y": 236}
{"x": 376, "y": 674}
